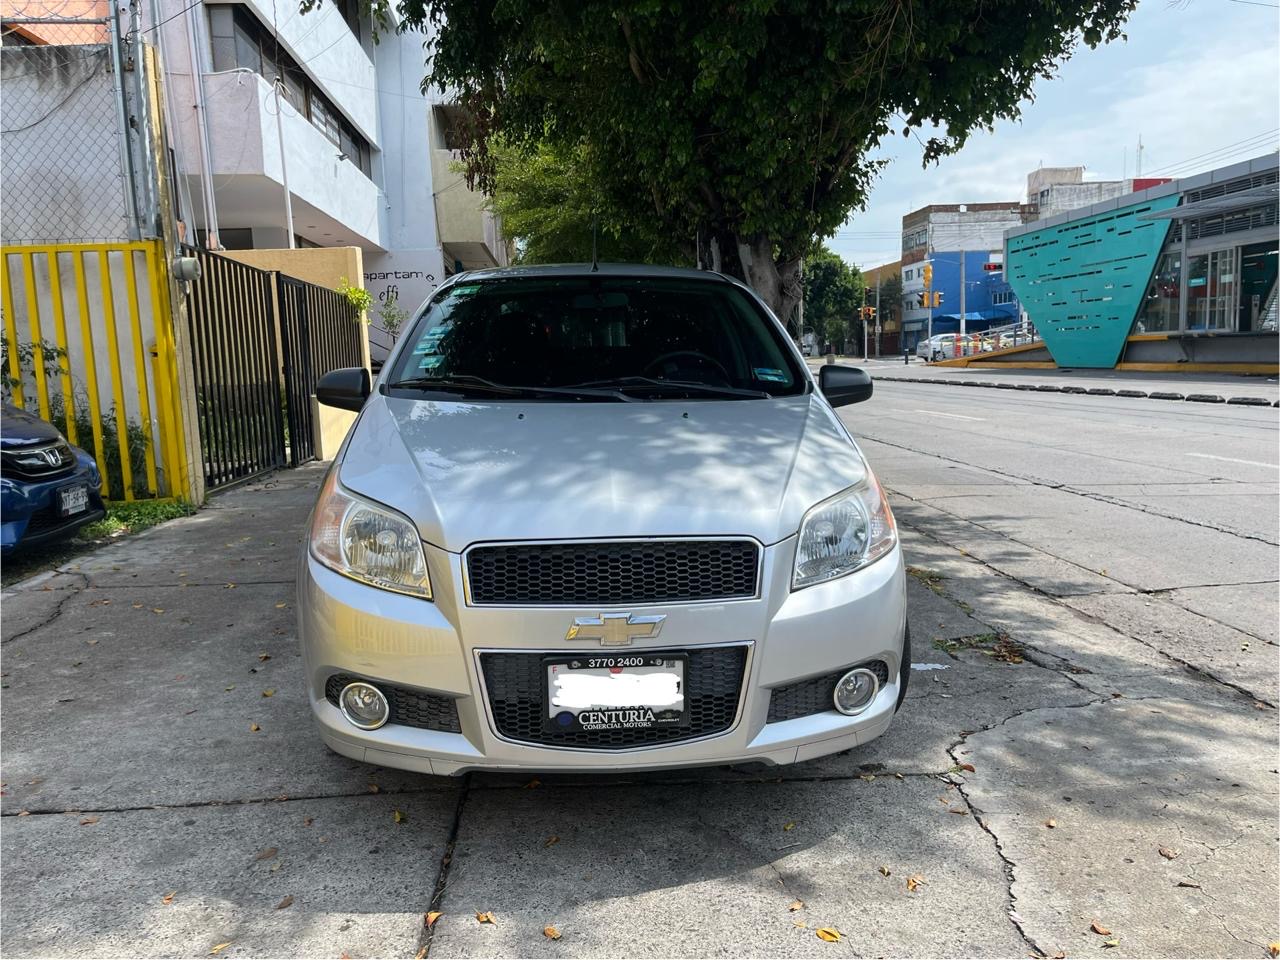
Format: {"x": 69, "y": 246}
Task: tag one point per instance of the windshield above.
{"x": 614, "y": 337}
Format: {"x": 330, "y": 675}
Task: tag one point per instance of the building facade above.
{"x": 1055, "y": 190}
{"x": 1182, "y": 273}
{"x": 262, "y": 96}
{"x": 959, "y": 241}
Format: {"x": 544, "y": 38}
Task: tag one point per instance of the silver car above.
{"x": 599, "y": 518}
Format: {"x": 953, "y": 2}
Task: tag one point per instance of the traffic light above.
{"x": 937, "y": 298}
{"x": 922, "y": 299}
{"x": 871, "y": 313}
{"x": 928, "y": 275}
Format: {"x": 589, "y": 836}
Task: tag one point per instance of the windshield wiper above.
{"x": 470, "y": 384}
{"x": 678, "y": 386}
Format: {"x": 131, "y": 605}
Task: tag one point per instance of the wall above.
{"x": 324, "y": 266}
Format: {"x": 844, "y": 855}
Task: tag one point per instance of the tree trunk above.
{"x": 750, "y": 259}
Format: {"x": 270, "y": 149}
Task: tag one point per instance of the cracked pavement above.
{"x": 1094, "y": 618}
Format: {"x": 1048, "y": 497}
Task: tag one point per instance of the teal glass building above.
{"x": 1181, "y": 273}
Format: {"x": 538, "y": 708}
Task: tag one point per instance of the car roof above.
{"x": 593, "y": 270}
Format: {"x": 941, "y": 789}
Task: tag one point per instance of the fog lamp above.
{"x": 855, "y": 691}
{"x": 363, "y": 705}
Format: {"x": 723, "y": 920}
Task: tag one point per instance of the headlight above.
{"x": 368, "y": 542}
{"x": 840, "y": 535}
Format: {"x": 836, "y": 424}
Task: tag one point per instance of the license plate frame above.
{"x": 619, "y": 717}
{"x": 73, "y": 500}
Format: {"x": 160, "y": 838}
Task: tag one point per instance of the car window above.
{"x": 560, "y": 332}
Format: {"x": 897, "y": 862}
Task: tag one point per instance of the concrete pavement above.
{"x": 1094, "y": 614}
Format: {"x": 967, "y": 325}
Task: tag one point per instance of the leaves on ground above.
{"x": 533, "y": 784}
{"x": 285, "y": 903}
{"x": 1188, "y": 883}
{"x": 219, "y": 948}
{"x": 884, "y": 871}
{"x": 1273, "y": 948}
{"x": 399, "y": 817}
{"x": 254, "y": 728}
{"x": 1167, "y": 853}
{"x": 915, "y": 881}
{"x": 829, "y": 934}
{"x": 486, "y": 917}
{"x": 800, "y": 923}
{"x": 791, "y": 825}
{"x": 430, "y": 918}
{"x": 1051, "y": 823}
{"x": 264, "y": 657}
{"x": 269, "y": 692}
{"x": 422, "y": 952}
{"x": 88, "y": 821}
{"x": 550, "y": 932}
{"x": 968, "y": 768}
{"x": 796, "y": 905}
{"x": 266, "y": 854}
{"x": 1099, "y": 929}
{"x": 1113, "y": 942}
{"x": 374, "y": 788}
{"x": 551, "y": 841}
{"x": 168, "y": 898}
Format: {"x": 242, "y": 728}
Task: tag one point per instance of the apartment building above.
{"x": 262, "y": 96}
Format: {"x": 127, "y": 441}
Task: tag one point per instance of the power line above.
{"x": 1264, "y": 136}
{"x": 59, "y": 105}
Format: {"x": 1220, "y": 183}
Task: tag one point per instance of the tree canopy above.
{"x": 550, "y": 206}
{"x": 833, "y": 292}
{"x": 750, "y": 122}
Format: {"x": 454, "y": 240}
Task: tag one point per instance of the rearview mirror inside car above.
{"x": 844, "y": 385}
{"x": 346, "y": 388}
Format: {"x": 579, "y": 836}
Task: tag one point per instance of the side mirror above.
{"x": 346, "y": 388}
{"x": 844, "y": 385}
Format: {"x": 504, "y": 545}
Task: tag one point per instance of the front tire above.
{"x": 904, "y": 672}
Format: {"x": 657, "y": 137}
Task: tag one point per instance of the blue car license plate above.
{"x": 73, "y": 500}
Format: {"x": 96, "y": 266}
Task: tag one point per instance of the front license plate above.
{"x": 615, "y": 692}
{"x": 73, "y": 500}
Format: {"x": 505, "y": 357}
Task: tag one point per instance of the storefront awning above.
{"x": 1240, "y": 200}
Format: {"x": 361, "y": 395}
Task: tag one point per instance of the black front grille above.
{"x": 811, "y": 696}
{"x": 42, "y": 461}
{"x": 410, "y": 708}
{"x": 515, "y": 683}
{"x": 642, "y": 571}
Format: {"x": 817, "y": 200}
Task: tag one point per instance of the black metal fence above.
{"x": 319, "y": 332}
{"x": 260, "y": 341}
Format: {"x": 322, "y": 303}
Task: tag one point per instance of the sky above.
{"x": 1198, "y": 80}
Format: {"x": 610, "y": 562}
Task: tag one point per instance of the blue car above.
{"x": 48, "y": 488}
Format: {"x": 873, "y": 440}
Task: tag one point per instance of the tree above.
{"x": 749, "y": 122}
{"x": 551, "y": 207}
{"x": 832, "y": 296}
{"x": 891, "y": 298}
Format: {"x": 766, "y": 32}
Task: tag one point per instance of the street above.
{"x": 1085, "y": 762}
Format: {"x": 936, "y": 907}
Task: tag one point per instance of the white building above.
{"x": 1054, "y": 190}
{"x": 359, "y": 146}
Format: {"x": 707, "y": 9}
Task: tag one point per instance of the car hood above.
{"x": 467, "y": 472}
{"x": 21, "y": 429}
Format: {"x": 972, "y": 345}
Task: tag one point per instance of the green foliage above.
{"x": 359, "y": 298}
{"x": 833, "y": 291}
{"x": 51, "y": 356}
{"x": 891, "y": 297}
{"x": 127, "y": 517}
{"x": 392, "y": 318}
{"x": 136, "y": 442}
{"x": 750, "y": 121}
{"x": 551, "y": 199}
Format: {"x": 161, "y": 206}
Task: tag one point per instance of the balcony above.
{"x": 334, "y": 203}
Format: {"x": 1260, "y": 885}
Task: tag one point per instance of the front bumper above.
{"x": 29, "y": 508}
{"x": 349, "y": 628}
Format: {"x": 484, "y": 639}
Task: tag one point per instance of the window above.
{"x": 1159, "y": 311}
{"x": 350, "y": 10}
{"x": 906, "y": 275}
{"x": 239, "y": 41}
{"x": 564, "y": 331}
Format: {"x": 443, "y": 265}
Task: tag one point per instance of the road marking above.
{"x": 1252, "y": 463}
{"x": 953, "y": 416}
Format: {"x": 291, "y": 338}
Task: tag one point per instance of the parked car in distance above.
{"x": 599, "y": 519}
{"x": 48, "y": 488}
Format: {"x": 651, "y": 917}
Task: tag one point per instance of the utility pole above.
{"x": 964, "y": 343}
{"x": 879, "y": 319}
{"x": 284, "y": 166}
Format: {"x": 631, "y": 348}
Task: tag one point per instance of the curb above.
{"x": 1088, "y": 391}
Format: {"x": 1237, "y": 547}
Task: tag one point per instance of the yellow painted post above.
{"x": 33, "y": 319}
{"x": 11, "y": 331}
{"x": 166, "y": 376}
{"x": 140, "y": 370}
{"x": 60, "y": 334}
{"x": 90, "y": 365}
{"x": 117, "y": 378}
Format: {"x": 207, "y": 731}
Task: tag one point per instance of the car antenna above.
{"x": 595, "y": 225}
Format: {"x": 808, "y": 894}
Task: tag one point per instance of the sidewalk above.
{"x": 165, "y": 793}
{"x": 1225, "y": 387}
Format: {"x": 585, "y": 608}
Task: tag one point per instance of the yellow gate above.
{"x": 109, "y": 376}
